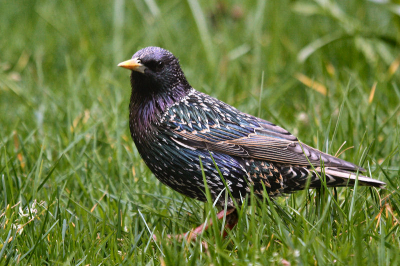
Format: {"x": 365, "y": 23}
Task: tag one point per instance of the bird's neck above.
{"x": 146, "y": 109}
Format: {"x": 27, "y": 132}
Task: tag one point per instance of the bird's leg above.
{"x": 231, "y": 221}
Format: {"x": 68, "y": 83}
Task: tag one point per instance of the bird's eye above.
{"x": 160, "y": 65}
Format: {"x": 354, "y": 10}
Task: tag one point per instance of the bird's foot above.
{"x": 231, "y": 221}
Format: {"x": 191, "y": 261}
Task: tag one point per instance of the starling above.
{"x": 174, "y": 126}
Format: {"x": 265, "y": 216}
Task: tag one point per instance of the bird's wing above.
{"x": 219, "y": 127}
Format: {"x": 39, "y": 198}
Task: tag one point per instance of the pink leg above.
{"x": 231, "y": 221}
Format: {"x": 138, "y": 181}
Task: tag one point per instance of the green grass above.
{"x": 73, "y": 189}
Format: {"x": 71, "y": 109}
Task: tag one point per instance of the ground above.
{"x": 74, "y": 189}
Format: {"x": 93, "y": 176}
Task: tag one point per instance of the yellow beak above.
{"x": 133, "y": 64}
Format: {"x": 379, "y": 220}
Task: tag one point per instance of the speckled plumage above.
{"x": 173, "y": 125}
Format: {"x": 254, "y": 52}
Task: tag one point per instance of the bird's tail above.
{"x": 346, "y": 178}
{"x": 296, "y": 178}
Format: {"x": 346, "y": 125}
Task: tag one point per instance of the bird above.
{"x": 182, "y": 133}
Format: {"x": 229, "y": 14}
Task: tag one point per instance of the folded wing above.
{"x": 211, "y": 124}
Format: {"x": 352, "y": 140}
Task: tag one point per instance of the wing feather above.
{"x": 238, "y": 134}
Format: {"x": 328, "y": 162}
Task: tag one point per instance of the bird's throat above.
{"x": 147, "y": 106}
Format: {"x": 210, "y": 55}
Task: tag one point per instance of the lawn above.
{"x": 74, "y": 190}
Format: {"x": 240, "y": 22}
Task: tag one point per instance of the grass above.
{"x": 74, "y": 189}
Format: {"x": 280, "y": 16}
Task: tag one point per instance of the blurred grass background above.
{"x": 74, "y": 189}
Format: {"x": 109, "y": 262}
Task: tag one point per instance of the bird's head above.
{"x": 156, "y": 72}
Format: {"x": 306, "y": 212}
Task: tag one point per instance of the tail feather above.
{"x": 350, "y": 177}
{"x": 296, "y": 178}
